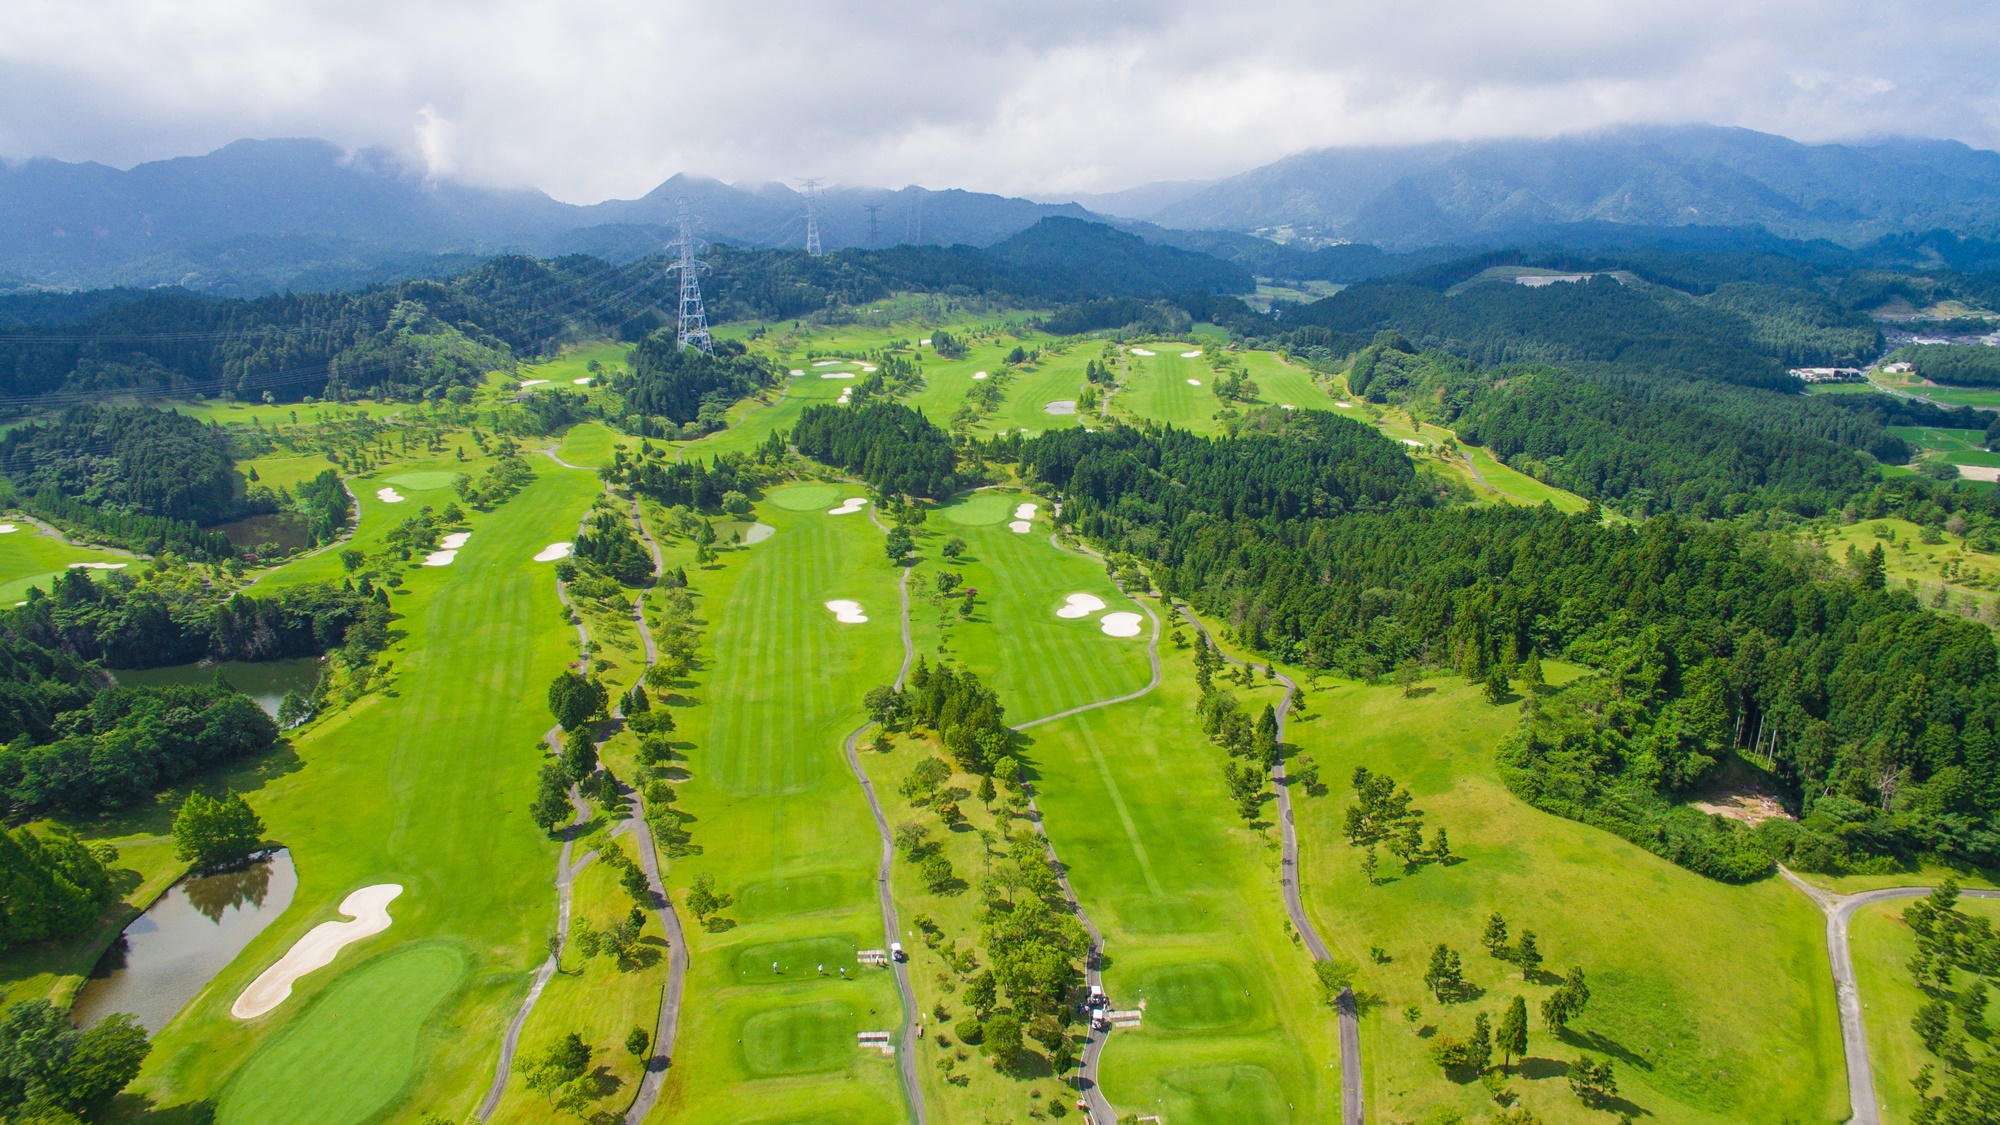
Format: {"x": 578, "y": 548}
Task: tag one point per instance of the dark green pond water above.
{"x": 266, "y": 681}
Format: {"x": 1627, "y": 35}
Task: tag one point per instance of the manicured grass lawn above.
{"x": 31, "y": 557}
{"x": 1157, "y": 388}
{"x": 426, "y": 784}
{"x": 1510, "y": 486}
{"x": 1881, "y": 943}
{"x": 1283, "y": 384}
{"x": 1941, "y": 438}
{"x": 283, "y": 470}
{"x": 1714, "y": 1001}
{"x": 783, "y": 826}
{"x": 300, "y": 413}
{"x": 574, "y": 363}
{"x": 589, "y": 444}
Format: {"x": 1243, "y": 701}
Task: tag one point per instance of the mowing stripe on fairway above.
{"x": 1118, "y": 802}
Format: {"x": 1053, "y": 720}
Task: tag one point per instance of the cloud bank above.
{"x": 592, "y": 99}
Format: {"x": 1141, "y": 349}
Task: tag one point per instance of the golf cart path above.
{"x": 1839, "y": 910}
{"x": 667, "y": 1028}
{"x": 906, "y": 1049}
{"x": 1101, "y": 1111}
{"x": 1288, "y": 874}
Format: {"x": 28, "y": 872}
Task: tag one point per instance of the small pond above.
{"x": 265, "y": 681}
{"x": 287, "y": 531}
{"x": 170, "y": 953}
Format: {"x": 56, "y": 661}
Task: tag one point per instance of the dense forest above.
{"x": 1963, "y": 365}
{"x": 1886, "y": 715}
{"x": 893, "y": 448}
{"x": 145, "y": 462}
{"x": 685, "y": 384}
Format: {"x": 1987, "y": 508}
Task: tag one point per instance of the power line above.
{"x": 694, "y": 319}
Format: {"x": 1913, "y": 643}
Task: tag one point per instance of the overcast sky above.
{"x": 590, "y": 99}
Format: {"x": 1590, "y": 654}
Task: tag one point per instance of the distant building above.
{"x": 1898, "y": 368}
{"x": 1827, "y": 374}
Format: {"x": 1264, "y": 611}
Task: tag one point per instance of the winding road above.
{"x": 1839, "y": 910}
{"x": 1288, "y": 874}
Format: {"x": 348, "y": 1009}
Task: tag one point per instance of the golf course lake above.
{"x": 265, "y": 681}
{"x": 170, "y": 953}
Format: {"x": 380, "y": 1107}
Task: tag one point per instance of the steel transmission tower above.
{"x": 872, "y": 208}
{"x": 812, "y": 217}
{"x": 694, "y": 319}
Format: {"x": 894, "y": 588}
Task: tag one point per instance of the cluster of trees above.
{"x": 509, "y": 474}
{"x": 210, "y": 831}
{"x": 965, "y": 714}
{"x": 691, "y": 483}
{"x": 132, "y": 458}
{"x": 56, "y": 885}
{"x": 1253, "y": 746}
{"x": 53, "y": 1073}
{"x": 1382, "y": 815}
{"x": 686, "y": 385}
{"x": 892, "y": 447}
{"x": 609, "y": 544}
{"x": 621, "y": 939}
{"x": 324, "y": 503}
{"x": 1956, "y": 955}
{"x": 1964, "y": 365}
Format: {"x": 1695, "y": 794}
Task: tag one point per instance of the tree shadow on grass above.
{"x": 140, "y": 1108}
{"x": 1535, "y": 1068}
{"x": 1604, "y": 1045}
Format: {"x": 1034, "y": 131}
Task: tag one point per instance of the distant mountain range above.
{"x": 256, "y": 216}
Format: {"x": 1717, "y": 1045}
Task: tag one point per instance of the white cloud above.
{"x": 597, "y": 98}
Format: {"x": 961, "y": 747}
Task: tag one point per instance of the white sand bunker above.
{"x": 867, "y": 368}
{"x": 979, "y": 374}
{"x": 369, "y": 907}
{"x": 1024, "y": 511}
{"x": 1020, "y": 527}
{"x": 388, "y": 496}
{"x": 796, "y": 373}
{"x": 1345, "y": 405}
{"x": 1191, "y": 355}
{"x": 829, "y": 363}
{"x": 1120, "y": 624}
{"x": 1141, "y": 351}
{"x": 1413, "y": 441}
{"x": 449, "y": 549}
{"x": 1061, "y": 406}
{"x": 584, "y": 380}
{"x": 99, "y": 566}
{"x": 1194, "y": 382}
{"x": 1080, "y": 605}
{"x": 847, "y": 612}
{"x": 440, "y": 558}
{"x": 836, "y": 374}
{"x": 533, "y": 382}
{"x": 455, "y": 540}
{"x": 846, "y": 398}
{"x": 758, "y": 532}
{"x": 1286, "y": 406}
{"x": 924, "y": 343}
{"x": 848, "y": 506}
{"x": 8, "y": 528}
{"x": 552, "y": 552}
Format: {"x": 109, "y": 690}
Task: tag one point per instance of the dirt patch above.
{"x": 1751, "y": 806}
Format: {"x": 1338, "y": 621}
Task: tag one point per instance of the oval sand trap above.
{"x": 1080, "y": 605}
{"x": 8, "y": 529}
{"x": 1061, "y": 406}
{"x": 369, "y": 907}
{"x": 979, "y": 374}
{"x": 848, "y": 506}
{"x": 1191, "y": 355}
{"x": 847, "y": 612}
{"x": 440, "y": 558}
{"x": 1120, "y": 624}
{"x": 796, "y": 373}
{"x": 585, "y": 381}
{"x": 1024, "y": 511}
{"x": 1286, "y": 406}
{"x": 1020, "y": 527}
{"x": 1345, "y": 405}
{"x": 100, "y": 566}
{"x": 924, "y": 343}
{"x": 805, "y": 497}
{"x": 552, "y": 552}
{"x": 1141, "y": 351}
{"x": 533, "y": 382}
{"x": 836, "y": 375}
{"x": 829, "y": 363}
{"x": 1194, "y": 382}
{"x": 455, "y": 540}
{"x": 758, "y": 532}
{"x": 388, "y": 496}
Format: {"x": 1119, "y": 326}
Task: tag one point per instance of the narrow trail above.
{"x": 906, "y": 1049}
{"x": 1839, "y": 910}
{"x": 1288, "y": 875}
{"x": 668, "y": 1024}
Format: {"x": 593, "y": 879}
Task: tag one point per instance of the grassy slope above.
{"x": 1881, "y": 943}
{"x": 1157, "y": 388}
{"x": 1909, "y": 559}
{"x": 1186, "y": 897}
{"x": 1712, "y": 999}
{"x": 427, "y": 785}
{"x": 785, "y": 830}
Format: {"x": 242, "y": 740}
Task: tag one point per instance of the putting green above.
{"x": 806, "y": 497}
{"x": 980, "y": 509}
{"x": 358, "y": 1039}
{"x": 1222, "y": 1095}
{"x": 796, "y": 960}
{"x": 422, "y": 481}
{"x": 799, "y": 894}
{"x": 799, "y": 1040}
{"x": 1195, "y": 996}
